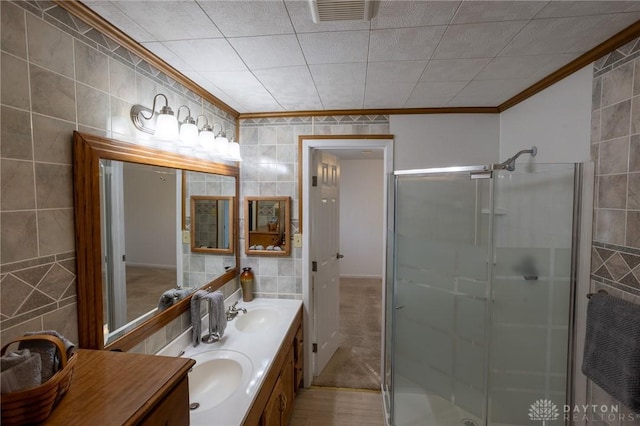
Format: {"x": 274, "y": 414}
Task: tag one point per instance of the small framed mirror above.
{"x": 267, "y": 222}
{"x": 211, "y": 224}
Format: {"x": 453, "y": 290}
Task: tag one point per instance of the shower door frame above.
{"x": 579, "y": 270}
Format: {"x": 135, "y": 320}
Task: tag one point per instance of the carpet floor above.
{"x": 356, "y": 363}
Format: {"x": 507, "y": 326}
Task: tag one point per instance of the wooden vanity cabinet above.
{"x": 274, "y": 403}
{"x": 119, "y": 388}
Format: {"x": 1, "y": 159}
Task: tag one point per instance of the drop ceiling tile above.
{"x": 118, "y": 18}
{"x": 159, "y": 49}
{"x": 335, "y": 47}
{"x": 496, "y": 11}
{"x": 241, "y": 86}
{"x": 207, "y": 54}
{"x": 381, "y": 73}
{"x": 560, "y": 9}
{"x": 248, "y": 18}
{"x": 340, "y": 85}
{"x": 259, "y": 53}
{"x": 563, "y": 35}
{"x": 454, "y": 69}
{"x": 433, "y": 93}
{"x": 401, "y": 14}
{"x": 352, "y": 74}
{"x": 389, "y": 95}
{"x": 404, "y": 44}
{"x": 170, "y": 20}
{"x": 300, "y": 14}
{"x": 522, "y": 67}
{"x": 292, "y": 87}
{"x": 481, "y": 40}
{"x": 493, "y": 88}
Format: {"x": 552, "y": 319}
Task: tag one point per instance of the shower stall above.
{"x": 480, "y": 294}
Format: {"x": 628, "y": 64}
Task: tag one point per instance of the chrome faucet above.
{"x": 233, "y": 312}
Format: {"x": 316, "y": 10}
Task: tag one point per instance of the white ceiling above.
{"x": 268, "y": 55}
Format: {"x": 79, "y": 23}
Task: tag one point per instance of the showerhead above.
{"x": 510, "y": 163}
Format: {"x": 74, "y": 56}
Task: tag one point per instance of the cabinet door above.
{"x": 173, "y": 410}
{"x": 288, "y": 386}
{"x": 298, "y": 345}
{"x": 272, "y": 414}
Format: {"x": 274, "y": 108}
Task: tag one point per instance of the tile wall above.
{"x": 269, "y": 148}
{"x": 60, "y": 75}
{"x": 615, "y": 149}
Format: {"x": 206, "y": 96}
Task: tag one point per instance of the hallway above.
{"x": 356, "y": 363}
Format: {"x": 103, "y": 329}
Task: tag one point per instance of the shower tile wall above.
{"x": 60, "y": 75}
{"x": 615, "y": 150}
{"x": 269, "y": 148}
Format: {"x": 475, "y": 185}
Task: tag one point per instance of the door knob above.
{"x": 339, "y": 256}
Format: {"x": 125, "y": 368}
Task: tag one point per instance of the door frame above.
{"x": 334, "y": 142}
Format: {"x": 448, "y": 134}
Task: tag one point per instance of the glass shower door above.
{"x": 531, "y": 291}
{"x": 442, "y": 248}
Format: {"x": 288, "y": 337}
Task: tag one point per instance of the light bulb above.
{"x": 166, "y": 127}
{"x": 234, "y": 151}
{"x": 189, "y": 134}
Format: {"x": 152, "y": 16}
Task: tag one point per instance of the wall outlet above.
{"x": 186, "y": 237}
{"x": 297, "y": 240}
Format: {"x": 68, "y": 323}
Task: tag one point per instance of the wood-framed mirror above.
{"x": 211, "y": 224}
{"x": 267, "y": 226}
{"x": 96, "y": 156}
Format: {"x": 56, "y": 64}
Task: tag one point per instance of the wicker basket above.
{"x": 34, "y": 405}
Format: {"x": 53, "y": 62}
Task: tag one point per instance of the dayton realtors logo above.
{"x": 543, "y": 410}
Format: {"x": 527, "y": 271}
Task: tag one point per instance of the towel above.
{"x": 170, "y": 297}
{"x": 196, "y": 320}
{"x": 48, "y": 351}
{"x": 612, "y": 348}
{"x": 217, "y": 316}
{"x": 20, "y": 370}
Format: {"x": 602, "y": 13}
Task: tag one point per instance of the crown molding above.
{"x": 391, "y": 111}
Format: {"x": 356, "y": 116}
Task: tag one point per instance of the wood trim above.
{"x": 287, "y": 227}
{"x": 592, "y": 55}
{"x": 303, "y": 137}
{"x": 88, "y": 150}
{"x": 82, "y": 12}
{"x": 392, "y": 111}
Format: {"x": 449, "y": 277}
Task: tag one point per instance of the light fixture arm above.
{"x": 164, "y": 110}
{"x": 189, "y": 119}
{"x": 214, "y": 126}
{"x": 140, "y": 114}
{"x": 205, "y": 126}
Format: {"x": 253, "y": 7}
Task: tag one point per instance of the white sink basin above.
{"x": 257, "y": 319}
{"x": 217, "y": 375}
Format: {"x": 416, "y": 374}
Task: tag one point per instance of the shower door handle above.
{"x": 397, "y": 308}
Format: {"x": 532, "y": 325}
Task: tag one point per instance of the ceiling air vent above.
{"x": 341, "y": 10}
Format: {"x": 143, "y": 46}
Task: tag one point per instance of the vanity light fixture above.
{"x": 188, "y": 128}
{"x": 166, "y": 123}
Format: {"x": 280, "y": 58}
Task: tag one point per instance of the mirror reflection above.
{"x": 267, "y": 221}
{"x": 148, "y": 265}
{"x": 211, "y": 224}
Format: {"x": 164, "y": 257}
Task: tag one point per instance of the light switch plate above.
{"x": 297, "y": 240}
{"x": 186, "y": 237}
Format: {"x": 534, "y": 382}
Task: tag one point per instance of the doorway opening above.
{"x": 344, "y": 316}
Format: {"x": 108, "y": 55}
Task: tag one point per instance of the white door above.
{"x": 324, "y": 216}
{"x": 114, "y": 268}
